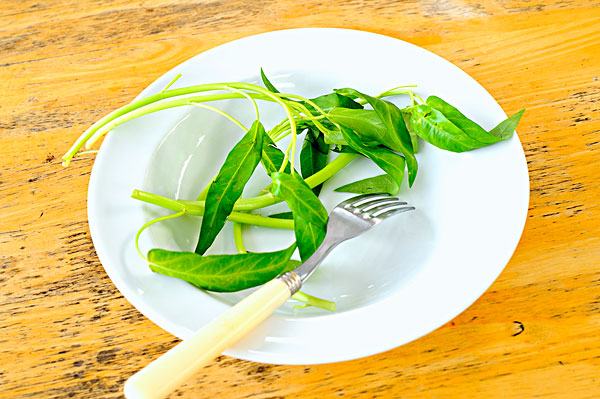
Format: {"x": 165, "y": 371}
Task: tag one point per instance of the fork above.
{"x": 347, "y": 220}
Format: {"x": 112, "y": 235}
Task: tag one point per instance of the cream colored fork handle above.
{"x": 166, "y": 373}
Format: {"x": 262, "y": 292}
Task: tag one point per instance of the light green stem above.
{"x": 245, "y": 204}
{"x": 135, "y": 105}
{"x": 310, "y": 300}
{"x": 238, "y": 238}
{"x": 171, "y": 83}
{"x": 330, "y": 169}
{"x": 159, "y": 97}
{"x": 196, "y": 208}
{"x": 150, "y": 223}
{"x": 243, "y": 93}
{"x": 225, "y": 114}
{"x": 258, "y": 93}
{"x": 308, "y": 114}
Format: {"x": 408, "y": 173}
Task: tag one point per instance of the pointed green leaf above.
{"x": 326, "y": 103}
{"x": 472, "y": 129}
{"x": 444, "y": 126}
{"x": 222, "y": 273}
{"x": 308, "y": 236}
{"x": 432, "y": 126}
{"x": 505, "y": 129}
{"x": 399, "y": 138}
{"x": 310, "y": 216}
{"x": 364, "y": 122}
{"x": 299, "y": 197}
{"x": 282, "y": 215}
{"x": 334, "y": 137}
{"x": 227, "y": 187}
{"x": 391, "y": 163}
{"x": 414, "y": 138}
{"x": 267, "y": 82}
{"x": 372, "y": 185}
{"x": 332, "y": 100}
{"x": 272, "y": 156}
{"x": 313, "y": 156}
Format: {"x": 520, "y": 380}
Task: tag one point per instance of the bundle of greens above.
{"x": 336, "y": 122}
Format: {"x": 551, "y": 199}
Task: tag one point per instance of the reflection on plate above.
{"x": 392, "y": 285}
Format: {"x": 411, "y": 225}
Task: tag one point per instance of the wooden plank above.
{"x": 66, "y": 330}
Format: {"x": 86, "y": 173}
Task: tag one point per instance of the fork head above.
{"x": 358, "y": 214}
{"x": 347, "y": 220}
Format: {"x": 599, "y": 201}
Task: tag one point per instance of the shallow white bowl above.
{"x": 394, "y": 284}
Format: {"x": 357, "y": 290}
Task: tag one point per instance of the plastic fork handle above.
{"x": 169, "y": 371}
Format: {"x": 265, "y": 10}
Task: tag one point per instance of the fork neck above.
{"x": 305, "y": 270}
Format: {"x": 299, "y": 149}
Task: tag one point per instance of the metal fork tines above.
{"x": 376, "y": 207}
{"x": 350, "y": 219}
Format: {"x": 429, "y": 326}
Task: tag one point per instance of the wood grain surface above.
{"x": 65, "y": 331}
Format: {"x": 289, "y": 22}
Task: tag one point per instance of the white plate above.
{"x": 396, "y": 283}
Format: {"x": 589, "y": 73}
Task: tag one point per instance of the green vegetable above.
{"x": 391, "y": 163}
{"x": 444, "y": 126}
{"x": 334, "y": 100}
{"x": 472, "y": 129}
{"x": 364, "y": 122}
{"x": 377, "y": 184}
{"x": 227, "y": 187}
{"x": 384, "y": 134}
{"x": 313, "y": 156}
{"x": 267, "y": 82}
{"x": 310, "y": 300}
{"x": 505, "y": 129}
{"x": 399, "y": 138}
{"x": 308, "y": 236}
{"x": 310, "y": 216}
{"x": 282, "y": 215}
{"x": 299, "y": 197}
{"x": 221, "y": 273}
{"x": 335, "y": 137}
{"x": 414, "y": 138}
{"x": 432, "y": 126}
{"x": 272, "y": 156}
{"x": 328, "y": 102}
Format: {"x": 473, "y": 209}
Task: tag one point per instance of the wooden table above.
{"x": 67, "y": 332}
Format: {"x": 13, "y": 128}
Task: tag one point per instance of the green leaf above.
{"x": 332, "y": 100}
{"x": 398, "y": 138}
{"x": 391, "y": 163}
{"x": 432, "y": 126}
{"x": 343, "y": 149}
{"x": 364, "y": 122}
{"x": 377, "y": 184}
{"x": 221, "y": 273}
{"x": 505, "y": 129}
{"x": 313, "y": 156}
{"x": 414, "y": 138}
{"x": 282, "y": 215}
{"x": 472, "y": 129}
{"x": 272, "y": 156}
{"x": 444, "y": 126}
{"x": 326, "y": 103}
{"x": 267, "y": 82}
{"x": 227, "y": 187}
{"x": 299, "y": 197}
{"x": 334, "y": 136}
{"x": 308, "y": 236}
{"x": 310, "y": 216}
